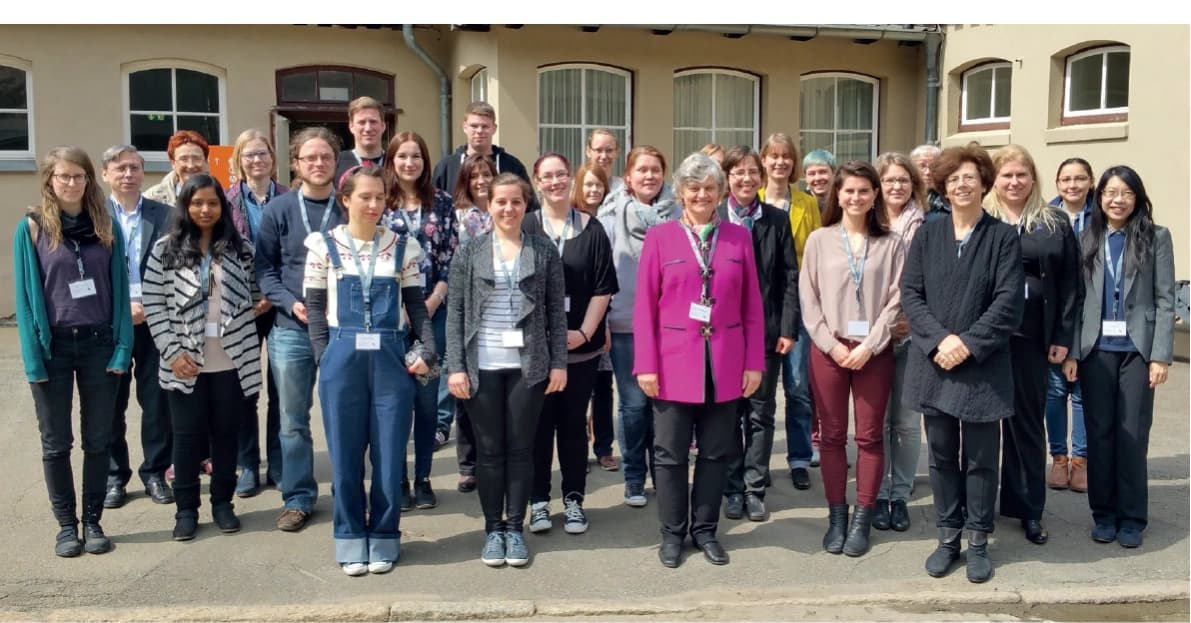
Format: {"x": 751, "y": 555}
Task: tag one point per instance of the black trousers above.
{"x": 157, "y": 435}
{"x": 974, "y": 483}
{"x": 465, "y": 440}
{"x": 78, "y": 355}
{"x": 1024, "y": 449}
{"x": 696, "y": 509}
{"x": 566, "y": 413}
{"x": 206, "y": 423}
{"x": 754, "y": 423}
{"x": 504, "y": 417}
{"x": 1118, "y": 407}
{"x": 249, "y": 452}
{"x": 602, "y": 432}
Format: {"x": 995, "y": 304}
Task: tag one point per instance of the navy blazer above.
{"x": 155, "y": 222}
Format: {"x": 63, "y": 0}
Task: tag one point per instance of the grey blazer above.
{"x": 155, "y": 222}
{"x": 472, "y": 279}
{"x": 1149, "y": 301}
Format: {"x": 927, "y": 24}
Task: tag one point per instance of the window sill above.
{"x": 19, "y": 164}
{"x": 157, "y": 166}
{"x": 987, "y": 138}
{"x": 1085, "y": 133}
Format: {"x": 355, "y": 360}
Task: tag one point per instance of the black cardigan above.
{"x": 980, "y": 297}
{"x": 777, "y": 273}
{"x": 1062, "y": 285}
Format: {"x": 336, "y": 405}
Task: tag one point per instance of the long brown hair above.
{"x": 50, "y": 212}
{"x": 423, "y": 186}
{"x": 878, "y": 220}
{"x": 577, "y": 199}
{"x": 462, "y": 195}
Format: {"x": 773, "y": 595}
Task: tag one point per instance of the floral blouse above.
{"x": 437, "y": 235}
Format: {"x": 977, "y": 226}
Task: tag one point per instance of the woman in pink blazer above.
{"x": 698, "y": 336}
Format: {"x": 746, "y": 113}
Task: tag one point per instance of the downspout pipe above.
{"x": 444, "y": 89}
{"x": 934, "y": 41}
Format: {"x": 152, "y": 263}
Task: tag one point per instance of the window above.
{"x": 714, "y": 107}
{"x": 573, "y": 100}
{"x": 839, "y": 114}
{"x": 163, "y": 100}
{"x": 15, "y": 127}
{"x": 479, "y": 86}
{"x": 332, "y": 85}
{"x": 1097, "y": 85}
{"x": 985, "y": 96}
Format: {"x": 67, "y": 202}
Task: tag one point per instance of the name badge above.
{"x": 82, "y": 289}
{"x": 1027, "y": 291}
{"x": 1114, "y": 328}
{"x": 858, "y": 328}
{"x": 512, "y": 339}
{"x": 367, "y": 341}
{"x": 699, "y": 312}
{"x": 134, "y": 290}
{"x": 566, "y": 304}
{"x": 422, "y": 279}
{"x": 212, "y": 329}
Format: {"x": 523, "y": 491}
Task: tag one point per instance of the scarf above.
{"x": 746, "y": 214}
{"x": 78, "y": 228}
{"x": 638, "y": 217}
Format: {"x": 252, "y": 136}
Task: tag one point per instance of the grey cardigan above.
{"x": 542, "y": 318}
{"x": 1149, "y": 302}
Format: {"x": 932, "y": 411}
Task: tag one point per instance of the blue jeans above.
{"x": 796, "y": 383}
{"x": 636, "y": 413}
{"x": 1057, "y": 390}
{"x": 446, "y": 402}
{"x": 427, "y": 401}
{"x": 291, "y": 361}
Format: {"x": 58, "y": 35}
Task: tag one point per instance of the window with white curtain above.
{"x": 16, "y": 115}
{"x": 479, "y": 85}
{"x": 839, "y": 114}
{"x": 573, "y": 100}
{"x": 715, "y": 106}
{"x": 1097, "y": 83}
{"x": 985, "y": 94}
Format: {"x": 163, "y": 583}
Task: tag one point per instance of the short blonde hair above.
{"x": 247, "y": 136}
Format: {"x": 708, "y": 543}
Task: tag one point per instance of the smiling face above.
{"x": 1074, "y": 183}
{"x": 553, "y": 180}
{"x": 964, "y": 188}
{"x": 408, "y": 162}
{"x": 896, "y": 187}
{"x": 602, "y": 151}
{"x": 480, "y": 183}
{"x": 366, "y": 202}
{"x": 699, "y": 199}
{"x": 1014, "y": 183}
{"x": 818, "y": 180}
{"x": 644, "y": 181}
{"x": 593, "y": 191}
{"x": 204, "y": 209}
{"x": 507, "y": 208}
{"x": 69, "y": 183}
{"x": 125, "y": 174}
{"x": 256, "y": 159}
{"x": 188, "y": 160}
{"x": 1117, "y": 201}
{"x": 778, "y": 163}
{"x": 367, "y": 126}
{"x": 744, "y": 180}
{"x": 856, "y": 196}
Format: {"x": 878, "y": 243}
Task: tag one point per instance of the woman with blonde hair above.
{"x": 1050, "y": 258}
{"x": 74, "y": 321}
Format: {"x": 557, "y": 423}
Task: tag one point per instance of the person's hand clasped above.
{"x": 459, "y": 386}
{"x": 751, "y": 382}
{"x": 839, "y": 354}
{"x": 784, "y": 345}
{"x": 901, "y": 328}
{"x": 951, "y": 352}
{"x": 1056, "y": 354}
{"x": 419, "y": 367}
{"x": 857, "y": 357}
{"x": 648, "y": 384}
{"x": 184, "y": 367}
{"x": 1071, "y": 370}
{"x": 557, "y": 381}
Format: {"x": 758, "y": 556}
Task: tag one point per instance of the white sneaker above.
{"x": 634, "y": 495}
{"x": 383, "y": 566}
{"x": 539, "y": 517}
{"x": 355, "y": 568}
{"x": 576, "y": 519}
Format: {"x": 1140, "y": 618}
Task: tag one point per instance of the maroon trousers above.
{"x": 869, "y": 387}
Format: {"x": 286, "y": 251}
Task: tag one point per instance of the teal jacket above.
{"x": 33, "y": 323}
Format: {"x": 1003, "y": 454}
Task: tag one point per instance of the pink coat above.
{"x": 667, "y": 342}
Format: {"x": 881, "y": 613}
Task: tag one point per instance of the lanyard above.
{"x": 704, "y": 254}
{"x": 567, "y": 228}
{"x": 306, "y": 215}
{"x": 511, "y": 274}
{"x": 205, "y": 279}
{"x": 365, "y": 277}
{"x": 963, "y": 242}
{"x": 854, "y": 267}
{"x": 1114, "y": 271}
{"x": 1080, "y": 220}
{"x": 78, "y": 260}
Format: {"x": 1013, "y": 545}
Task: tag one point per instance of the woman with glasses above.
{"x": 904, "y": 196}
{"x": 602, "y": 151}
{"x": 188, "y": 152}
{"x": 1050, "y": 258}
{"x": 1124, "y": 346}
{"x": 1074, "y": 181}
{"x": 255, "y": 166}
{"x": 962, "y": 289}
{"x": 75, "y": 327}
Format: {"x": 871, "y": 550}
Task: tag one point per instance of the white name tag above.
{"x": 1114, "y": 328}
{"x": 212, "y": 329}
{"x": 858, "y": 328}
{"x": 367, "y": 341}
{"x": 512, "y": 339}
{"x": 134, "y": 290}
{"x": 82, "y": 289}
{"x": 566, "y": 304}
{"x": 422, "y": 279}
{"x": 702, "y": 313}
{"x": 1027, "y": 291}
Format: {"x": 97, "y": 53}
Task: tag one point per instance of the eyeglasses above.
{"x": 896, "y": 181}
{"x": 1110, "y": 195}
{"x": 1078, "y": 178}
{"x": 743, "y": 173}
{"x": 255, "y": 155}
{"x": 476, "y": 128}
{"x": 316, "y": 158}
{"x": 966, "y": 178}
{"x": 551, "y": 177}
{"x": 63, "y": 178}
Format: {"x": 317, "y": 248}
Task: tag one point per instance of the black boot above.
{"x": 94, "y": 540}
{"x": 857, "y": 543}
{"x": 837, "y": 527}
{"x": 939, "y": 563}
{"x": 185, "y": 524}
{"x": 225, "y": 517}
{"x": 881, "y": 517}
{"x": 67, "y": 544}
{"x": 980, "y": 568}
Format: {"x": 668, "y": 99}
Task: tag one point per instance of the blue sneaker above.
{"x": 634, "y": 494}
{"x": 1104, "y": 533}
{"x": 516, "y": 552}
{"x": 494, "y": 550}
{"x": 1129, "y": 537}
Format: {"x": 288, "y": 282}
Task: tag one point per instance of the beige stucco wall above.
{"x": 1156, "y": 139}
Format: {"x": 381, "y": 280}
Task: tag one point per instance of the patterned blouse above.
{"x": 437, "y": 235}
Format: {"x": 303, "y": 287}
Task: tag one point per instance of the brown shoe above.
{"x": 1058, "y": 478}
{"x": 608, "y": 463}
{"x": 467, "y": 483}
{"x": 292, "y": 520}
{"x": 1079, "y": 474}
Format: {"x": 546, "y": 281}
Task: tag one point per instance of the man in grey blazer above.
{"x": 142, "y": 221}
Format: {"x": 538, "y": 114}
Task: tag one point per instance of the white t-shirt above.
{"x": 320, "y": 272}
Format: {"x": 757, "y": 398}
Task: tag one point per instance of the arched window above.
{"x": 985, "y": 97}
{"x": 715, "y": 106}
{"x": 16, "y": 111}
{"x": 479, "y": 85}
{"x": 1096, "y": 85}
{"x": 839, "y": 114}
{"x": 575, "y": 99}
{"x": 164, "y": 97}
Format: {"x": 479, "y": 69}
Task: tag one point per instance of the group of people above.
{"x": 936, "y": 288}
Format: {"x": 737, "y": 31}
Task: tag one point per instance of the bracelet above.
{"x": 585, "y": 338}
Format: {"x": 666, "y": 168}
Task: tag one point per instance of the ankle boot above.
{"x": 94, "y": 540}
{"x": 980, "y": 568}
{"x": 881, "y": 518}
{"x": 837, "y": 526}
{"x": 857, "y": 543}
{"x": 938, "y": 564}
{"x": 225, "y": 517}
{"x": 185, "y": 524}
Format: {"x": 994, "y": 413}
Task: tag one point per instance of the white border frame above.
{"x": 835, "y": 130}
{"x": 172, "y": 64}
{"x": 718, "y": 71}
{"x": 963, "y": 99}
{"x": 583, "y": 127}
{"x": 27, "y": 67}
{"x": 1102, "y": 51}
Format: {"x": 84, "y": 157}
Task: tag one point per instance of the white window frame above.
{"x": 836, "y": 130}
{"x": 479, "y": 82}
{"x": 584, "y": 127}
{"x": 717, "y": 71}
{"x": 173, "y": 65}
{"x": 1103, "y": 52}
{"x": 963, "y": 104}
{"x": 25, "y": 66}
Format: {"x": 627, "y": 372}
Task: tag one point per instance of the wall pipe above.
{"x": 444, "y": 89}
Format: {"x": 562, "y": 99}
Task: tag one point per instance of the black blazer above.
{"x": 1062, "y": 286}
{"x": 155, "y": 221}
{"x": 777, "y": 273}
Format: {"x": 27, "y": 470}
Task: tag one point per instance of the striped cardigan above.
{"x": 174, "y": 313}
